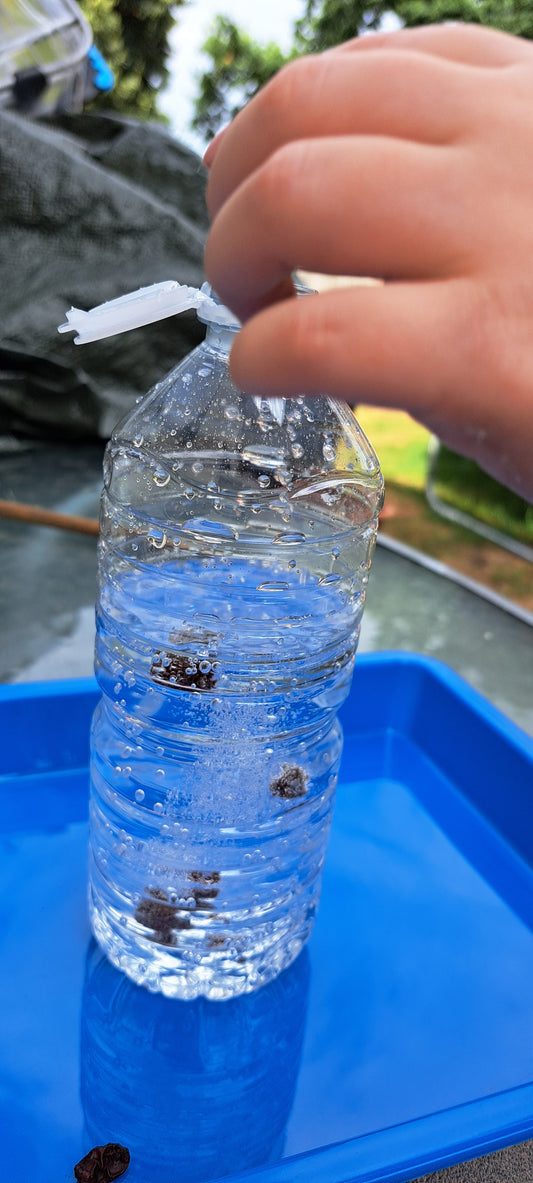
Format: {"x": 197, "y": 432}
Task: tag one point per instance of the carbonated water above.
{"x": 215, "y": 758}
{"x": 236, "y": 537}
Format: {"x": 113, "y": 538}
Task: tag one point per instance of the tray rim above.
{"x": 437, "y": 669}
{"x": 367, "y": 1158}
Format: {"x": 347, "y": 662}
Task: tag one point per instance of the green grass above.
{"x": 463, "y": 485}
{"x": 402, "y": 448}
{"x": 400, "y": 443}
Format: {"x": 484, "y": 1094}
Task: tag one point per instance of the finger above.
{"x": 407, "y": 346}
{"x": 388, "y": 344}
{"x": 348, "y": 206}
{"x": 471, "y": 45}
{"x": 384, "y": 93}
{"x": 212, "y": 148}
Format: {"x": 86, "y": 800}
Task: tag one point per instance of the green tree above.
{"x": 240, "y": 66}
{"x": 133, "y": 37}
{"x": 511, "y": 16}
{"x": 326, "y": 23}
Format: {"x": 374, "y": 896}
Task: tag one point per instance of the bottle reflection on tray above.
{"x": 195, "y": 1090}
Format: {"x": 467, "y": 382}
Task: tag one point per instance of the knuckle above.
{"x": 315, "y": 337}
{"x": 286, "y": 90}
{"x": 277, "y": 184}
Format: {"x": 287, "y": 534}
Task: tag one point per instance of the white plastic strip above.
{"x": 143, "y": 307}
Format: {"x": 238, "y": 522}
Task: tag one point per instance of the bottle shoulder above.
{"x": 196, "y": 428}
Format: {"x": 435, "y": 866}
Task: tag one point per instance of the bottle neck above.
{"x": 220, "y": 338}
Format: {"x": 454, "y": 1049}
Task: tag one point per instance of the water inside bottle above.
{"x": 223, "y": 653}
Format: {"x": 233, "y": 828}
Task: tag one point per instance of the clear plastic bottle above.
{"x": 236, "y": 539}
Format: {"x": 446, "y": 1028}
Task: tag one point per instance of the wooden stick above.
{"x": 34, "y": 515}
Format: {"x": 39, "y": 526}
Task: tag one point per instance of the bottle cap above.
{"x": 144, "y": 307}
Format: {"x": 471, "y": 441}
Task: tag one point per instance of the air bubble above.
{"x": 138, "y": 439}
{"x": 232, "y": 413}
{"x": 160, "y": 772}
{"x": 161, "y": 477}
{"x": 289, "y": 539}
{"x": 297, "y": 451}
{"x": 263, "y": 480}
{"x": 157, "y": 538}
{"x": 197, "y": 466}
{"x": 160, "y": 751}
{"x": 158, "y": 808}
{"x": 139, "y": 795}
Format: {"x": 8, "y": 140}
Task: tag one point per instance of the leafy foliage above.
{"x": 326, "y": 23}
{"x": 240, "y": 66}
{"x": 511, "y": 16}
{"x": 133, "y": 37}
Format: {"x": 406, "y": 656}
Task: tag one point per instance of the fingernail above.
{"x": 212, "y": 148}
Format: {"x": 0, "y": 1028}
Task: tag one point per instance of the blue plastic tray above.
{"x": 400, "y": 1042}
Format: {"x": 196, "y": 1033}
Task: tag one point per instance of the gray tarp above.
{"x": 91, "y": 206}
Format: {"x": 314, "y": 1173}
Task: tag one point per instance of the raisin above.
{"x": 103, "y": 1164}
{"x": 207, "y": 877}
{"x": 215, "y": 940}
{"x": 291, "y": 782}
{"x": 157, "y": 912}
{"x": 180, "y": 671}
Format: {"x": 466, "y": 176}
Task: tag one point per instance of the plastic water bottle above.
{"x": 236, "y": 539}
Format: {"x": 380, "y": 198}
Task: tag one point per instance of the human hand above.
{"x": 408, "y": 157}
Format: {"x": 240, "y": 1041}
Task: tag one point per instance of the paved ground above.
{"x": 514, "y": 1165}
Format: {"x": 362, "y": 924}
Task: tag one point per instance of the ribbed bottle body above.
{"x": 230, "y": 596}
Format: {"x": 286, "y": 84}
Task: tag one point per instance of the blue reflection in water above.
{"x": 195, "y": 1090}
